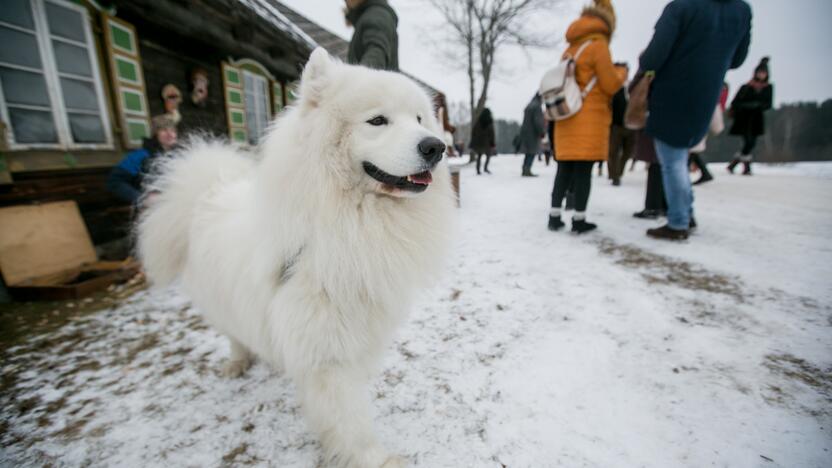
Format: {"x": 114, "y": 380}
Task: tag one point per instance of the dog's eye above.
{"x": 378, "y": 121}
{"x": 419, "y": 118}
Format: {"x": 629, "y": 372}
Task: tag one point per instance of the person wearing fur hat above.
{"x": 688, "y": 57}
{"x": 748, "y": 106}
{"x": 125, "y": 180}
{"x": 583, "y": 139}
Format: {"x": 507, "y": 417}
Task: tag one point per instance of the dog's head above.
{"x": 380, "y": 126}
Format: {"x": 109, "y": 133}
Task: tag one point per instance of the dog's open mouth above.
{"x": 412, "y": 183}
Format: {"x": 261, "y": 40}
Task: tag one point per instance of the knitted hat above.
{"x": 602, "y": 9}
{"x": 162, "y": 121}
{"x": 763, "y": 66}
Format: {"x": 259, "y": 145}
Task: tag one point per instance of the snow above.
{"x": 537, "y": 349}
{"x": 271, "y": 14}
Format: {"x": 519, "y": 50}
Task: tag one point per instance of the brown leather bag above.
{"x": 635, "y": 117}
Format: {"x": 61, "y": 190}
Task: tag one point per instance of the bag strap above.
{"x": 594, "y": 79}
{"x": 589, "y": 86}
{"x": 581, "y": 49}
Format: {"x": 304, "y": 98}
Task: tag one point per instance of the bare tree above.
{"x": 479, "y": 29}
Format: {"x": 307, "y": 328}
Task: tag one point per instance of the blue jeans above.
{"x": 677, "y": 188}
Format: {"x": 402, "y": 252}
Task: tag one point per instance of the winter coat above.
{"x": 374, "y": 43}
{"x": 748, "y": 107}
{"x": 586, "y": 135}
{"x": 125, "y": 180}
{"x": 532, "y": 130}
{"x": 619, "y": 107}
{"x": 645, "y": 148}
{"x": 483, "y": 140}
{"x": 694, "y": 44}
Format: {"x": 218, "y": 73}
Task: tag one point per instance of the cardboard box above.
{"x": 46, "y": 254}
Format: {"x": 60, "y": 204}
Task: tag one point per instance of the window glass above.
{"x": 26, "y": 77}
{"x": 79, "y": 94}
{"x": 64, "y": 22}
{"x": 23, "y": 87}
{"x": 17, "y": 12}
{"x": 19, "y": 48}
{"x": 86, "y": 128}
{"x": 72, "y": 59}
{"x": 33, "y": 126}
{"x": 257, "y": 105}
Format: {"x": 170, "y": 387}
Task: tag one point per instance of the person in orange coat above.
{"x": 584, "y": 138}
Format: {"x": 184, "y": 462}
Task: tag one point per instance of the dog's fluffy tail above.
{"x": 178, "y": 184}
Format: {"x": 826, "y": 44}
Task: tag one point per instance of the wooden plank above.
{"x": 42, "y": 240}
{"x": 96, "y": 276}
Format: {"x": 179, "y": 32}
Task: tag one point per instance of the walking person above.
{"x": 375, "y": 42}
{"x": 751, "y": 101}
{"x": 694, "y": 44}
{"x": 531, "y": 133}
{"x": 483, "y": 141}
{"x": 583, "y": 139}
{"x": 622, "y": 139}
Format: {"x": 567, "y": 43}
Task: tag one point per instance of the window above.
{"x": 256, "y": 89}
{"x": 50, "y": 88}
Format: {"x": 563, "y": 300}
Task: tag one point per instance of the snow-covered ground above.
{"x": 538, "y": 349}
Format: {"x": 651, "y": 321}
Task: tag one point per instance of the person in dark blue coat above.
{"x": 125, "y": 180}
{"x": 695, "y": 43}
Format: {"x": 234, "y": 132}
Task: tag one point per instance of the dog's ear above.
{"x": 315, "y": 76}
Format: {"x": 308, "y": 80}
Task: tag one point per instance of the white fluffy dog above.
{"x": 309, "y": 257}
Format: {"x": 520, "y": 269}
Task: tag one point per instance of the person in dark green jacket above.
{"x": 374, "y": 43}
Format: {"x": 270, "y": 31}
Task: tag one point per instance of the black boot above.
{"x": 555, "y": 224}
{"x": 580, "y": 226}
{"x": 733, "y": 165}
{"x": 647, "y": 214}
{"x": 705, "y": 178}
{"x": 746, "y": 168}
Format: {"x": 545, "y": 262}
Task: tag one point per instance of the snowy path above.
{"x": 539, "y": 350}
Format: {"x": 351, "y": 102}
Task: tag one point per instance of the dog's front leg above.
{"x": 336, "y": 406}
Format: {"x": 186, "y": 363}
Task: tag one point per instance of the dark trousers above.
{"x": 527, "y": 163}
{"x": 697, "y": 160}
{"x": 654, "y": 200}
{"x": 622, "y": 146}
{"x": 575, "y": 175}
{"x": 487, "y": 160}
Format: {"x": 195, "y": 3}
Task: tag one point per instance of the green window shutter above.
{"x": 127, "y": 80}
{"x": 277, "y": 97}
{"x": 292, "y": 92}
{"x": 235, "y": 103}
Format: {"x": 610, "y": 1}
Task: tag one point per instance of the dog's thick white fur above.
{"x": 301, "y": 257}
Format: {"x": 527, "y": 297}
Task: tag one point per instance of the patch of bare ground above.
{"x": 659, "y": 269}
{"x": 798, "y": 370}
{"x": 239, "y": 456}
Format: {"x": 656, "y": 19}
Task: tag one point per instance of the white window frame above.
{"x": 53, "y": 85}
{"x": 261, "y": 86}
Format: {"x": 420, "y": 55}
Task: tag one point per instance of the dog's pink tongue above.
{"x": 423, "y": 178}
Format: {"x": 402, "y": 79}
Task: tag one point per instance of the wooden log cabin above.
{"x": 80, "y": 80}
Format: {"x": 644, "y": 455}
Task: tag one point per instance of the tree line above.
{"x": 794, "y": 132}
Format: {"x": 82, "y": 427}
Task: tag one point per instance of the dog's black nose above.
{"x": 431, "y": 149}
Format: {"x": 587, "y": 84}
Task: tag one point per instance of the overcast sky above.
{"x": 795, "y": 33}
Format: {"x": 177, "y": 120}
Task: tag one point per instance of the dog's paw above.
{"x": 236, "y": 368}
{"x": 394, "y": 462}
